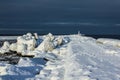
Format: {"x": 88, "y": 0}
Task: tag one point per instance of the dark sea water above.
{"x": 90, "y": 17}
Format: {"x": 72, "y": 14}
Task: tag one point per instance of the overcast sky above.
{"x": 33, "y": 12}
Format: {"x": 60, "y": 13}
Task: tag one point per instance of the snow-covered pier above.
{"x": 66, "y": 57}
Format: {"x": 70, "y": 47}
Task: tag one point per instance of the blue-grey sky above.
{"x": 88, "y": 16}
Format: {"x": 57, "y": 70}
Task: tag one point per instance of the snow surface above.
{"x": 83, "y": 58}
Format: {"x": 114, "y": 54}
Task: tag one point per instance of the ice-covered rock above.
{"x": 55, "y": 43}
{"x": 26, "y": 40}
{"x": 41, "y": 47}
{"x": 49, "y": 46}
{"x": 5, "y": 47}
{"x": 46, "y": 45}
{"x": 26, "y": 44}
{"x": 29, "y": 34}
{"x": 13, "y": 47}
{"x": 30, "y": 47}
{"x": 50, "y": 43}
{"x": 21, "y": 48}
{"x": 49, "y": 36}
{"x": 59, "y": 40}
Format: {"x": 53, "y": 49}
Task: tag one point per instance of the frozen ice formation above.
{"x": 28, "y": 44}
{"x": 25, "y": 42}
{"x": 5, "y": 47}
{"x": 28, "y": 40}
{"x": 13, "y": 47}
{"x": 46, "y": 45}
{"x": 21, "y": 47}
{"x": 50, "y": 43}
{"x": 49, "y": 37}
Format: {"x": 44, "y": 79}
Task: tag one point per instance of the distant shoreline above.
{"x": 94, "y": 36}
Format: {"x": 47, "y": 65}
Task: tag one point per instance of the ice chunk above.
{"x": 49, "y": 37}
{"x": 30, "y": 47}
{"x": 26, "y": 41}
{"x": 29, "y": 34}
{"x": 5, "y": 47}
{"x": 49, "y": 46}
{"x": 59, "y": 40}
{"x": 21, "y": 47}
{"x": 46, "y": 46}
{"x": 13, "y": 47}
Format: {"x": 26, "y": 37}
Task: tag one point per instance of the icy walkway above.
{"x": 88, "y": 60}
{"x": 84, "y": 59}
